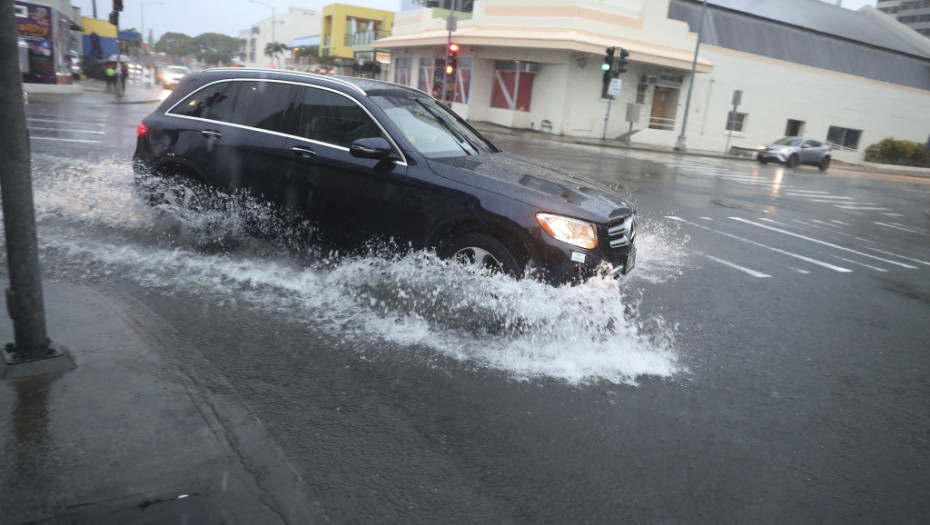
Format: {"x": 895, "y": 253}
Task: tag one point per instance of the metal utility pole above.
{"x": 680, "y": 143}
{"x": 451, "y": 25}
{"x": 24, "y": 296}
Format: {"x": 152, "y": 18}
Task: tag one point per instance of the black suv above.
{"x": 365, "y": 159}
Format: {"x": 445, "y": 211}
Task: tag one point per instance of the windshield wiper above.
{"x": 460, "y": 139}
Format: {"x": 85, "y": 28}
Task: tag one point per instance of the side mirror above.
{"x": 372, "y": 148}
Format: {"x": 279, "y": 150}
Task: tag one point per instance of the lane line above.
{"x": 70, "y": 130}
{"x": 823, "y": 243}
{"x": 900, "y": 228}
{"x": 862, "y": 208}
{"x": 805, "y": 193}
{"x": 99, "y": 123}
{"x": 34, "y": 137}
{"x": 735, "y": 266}
{"x": 900, "y": 256}
{"x": 759, "y": 244}
{"x": 850, "y": 261}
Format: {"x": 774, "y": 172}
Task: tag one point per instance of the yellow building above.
{"x": 347, "y": 34}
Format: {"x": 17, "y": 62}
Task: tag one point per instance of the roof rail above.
{"x": 325, "y": 78}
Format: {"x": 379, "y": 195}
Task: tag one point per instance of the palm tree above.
{"x": 273, "y": 49}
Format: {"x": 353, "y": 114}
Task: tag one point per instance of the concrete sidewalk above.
{"x": 126, "y": 436}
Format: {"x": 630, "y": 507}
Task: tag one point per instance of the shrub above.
{"x": 899, "y": 152}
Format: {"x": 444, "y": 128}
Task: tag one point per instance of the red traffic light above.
{"x": 453, "y": 48}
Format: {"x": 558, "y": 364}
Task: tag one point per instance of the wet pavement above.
{"x": 125, "y": 436}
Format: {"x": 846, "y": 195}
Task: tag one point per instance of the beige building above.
{"x": 799, "y": 66}
{"x": 296, "y": 23}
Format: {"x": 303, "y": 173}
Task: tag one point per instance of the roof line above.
{"x": 325, "y": 78}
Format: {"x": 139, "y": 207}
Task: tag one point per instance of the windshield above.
{"x": 178, "y": 69}
{"x": 788, "y": 141}
{"x": 432, "y": 129}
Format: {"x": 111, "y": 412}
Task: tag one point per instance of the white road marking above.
{"x": 736, "y": 266}
{"x": 98, "y": 123}
{"x": 900, "y": 256}
{"x": 823, "y": 243}
{"x": 850, "y": 261}
{"x": 34, "y": 137}
{"x": 895, "y": 226}
{"x": 806, "y": 193}
{"x": 831, "y": 200}
{"x": 805, "y": 272}
{"x": 759, "y": 244}
{"x": 862, "y": 208}
{"x": 70, "y": 130}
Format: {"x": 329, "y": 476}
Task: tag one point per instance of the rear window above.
{"x": 214, "y": 102}
{"x": 256, "y": 104}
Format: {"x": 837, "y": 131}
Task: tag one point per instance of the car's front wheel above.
{"x": 482, "y": 250}
{"x": 824, "y": 164}
{"x": 792, "y": 161}
{"x": 762, "y": 160}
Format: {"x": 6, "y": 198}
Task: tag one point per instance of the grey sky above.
{"x": 193, "y": 17}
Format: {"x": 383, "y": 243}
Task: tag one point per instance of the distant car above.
{"x": 171, "y": 75}
{"x": 76, "y": 65}
{"x": 792, "y": 151}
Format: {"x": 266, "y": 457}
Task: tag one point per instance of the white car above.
{"x": 171, "y": 75}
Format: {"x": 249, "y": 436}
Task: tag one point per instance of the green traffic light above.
{"x": 605, "y": 66}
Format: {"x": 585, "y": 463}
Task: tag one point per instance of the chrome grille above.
{"x": 621, "y": 233}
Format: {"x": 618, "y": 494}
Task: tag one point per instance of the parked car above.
{"x": 792, "y": 151}
{"x": 170, "y": 76}
{"x": 76, "y": 65}
{"x": 365, "y": 159}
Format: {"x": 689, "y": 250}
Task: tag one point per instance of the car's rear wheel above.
{"x": 482, "y": 250}
{"x": 792, "y": 161}
{"x": 824, "y": 164}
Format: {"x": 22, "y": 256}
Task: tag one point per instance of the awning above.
{"x": 306, "y": 41}
{"x": 567, "y": 39}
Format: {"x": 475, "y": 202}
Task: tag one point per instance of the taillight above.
{"x": 142, "y": 131}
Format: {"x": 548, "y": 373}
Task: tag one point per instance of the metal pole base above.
{"x": 13, "y": 357}
{"x": 51, "y": 360}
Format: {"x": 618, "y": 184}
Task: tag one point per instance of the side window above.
{"x": 263, "y": 104}
{"x": 213, "y": 102}
{"x": 328, "y": 117}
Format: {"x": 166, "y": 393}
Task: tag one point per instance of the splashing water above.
{"x": 97, "y": 226}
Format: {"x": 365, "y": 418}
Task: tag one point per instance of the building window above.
{"x": 848, "y": 138}
{"x": 402, "y": 71}
{"x": 736, "y": 121}
{"x": 432, "y": 71}
{"x": 641, "y": 93}
{"x": 463, "y": 80}
{"x": 513, "y": 85}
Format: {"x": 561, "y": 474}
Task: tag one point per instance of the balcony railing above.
{"x": 365, "y": 37}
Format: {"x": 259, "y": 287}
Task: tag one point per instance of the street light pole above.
{"x": 680, "y": 143}
{"x": 273, "y": 20}
{"x": 142, "y": 6}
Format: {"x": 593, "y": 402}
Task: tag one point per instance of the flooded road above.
{"x": 764, "y": 363}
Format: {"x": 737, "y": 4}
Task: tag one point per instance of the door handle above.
{"x": 211, "y": 134}
{"x": 303, "y": 152}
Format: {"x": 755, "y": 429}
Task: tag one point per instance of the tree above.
{"x": 312, "y": 54}
{"x": 176, "y": 45}
{"x": 214, "y": 48}
{"x": 273, "y": 49}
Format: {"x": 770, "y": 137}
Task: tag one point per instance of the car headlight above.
{"x": 573, "y": 231}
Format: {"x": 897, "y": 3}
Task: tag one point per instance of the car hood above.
{"x": 778, "y": 146}
{"x": 533, "y": 183}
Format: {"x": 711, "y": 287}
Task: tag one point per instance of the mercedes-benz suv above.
{"x": 365, "y": 159}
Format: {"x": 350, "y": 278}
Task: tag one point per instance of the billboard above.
{"x": 46, "y": 34}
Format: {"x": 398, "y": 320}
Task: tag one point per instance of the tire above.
{"x": 482, "y": 250}
{"x": 762, "y": 160}
{"x": 824, "y": 164}
{"x": 792, "y": 161}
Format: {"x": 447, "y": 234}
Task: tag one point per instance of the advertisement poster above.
{"x": 40, "y": 29}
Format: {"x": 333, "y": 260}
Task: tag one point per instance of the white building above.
{"x": 284, "y": 28}
{"x": 803, "y": 67}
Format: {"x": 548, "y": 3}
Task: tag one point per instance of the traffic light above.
{"x": 451, "y": 59}
{"x": 608, "y": 67}
{"x": 114, "y": 18}
{"x": 622, "y": 63}
{"x": 117, "y": 5}
{"x": 608, "y": 60}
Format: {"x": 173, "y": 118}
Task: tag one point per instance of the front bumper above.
{"x": 772, "y": 156}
